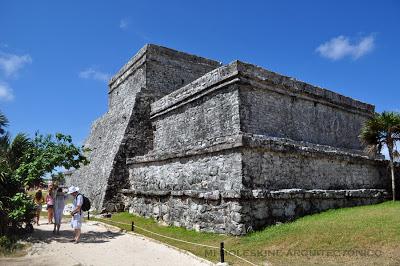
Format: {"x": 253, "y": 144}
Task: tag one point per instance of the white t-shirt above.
{"x": 78, "y": 201}
{"x": 76, "y": 221}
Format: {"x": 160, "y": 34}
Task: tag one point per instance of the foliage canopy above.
{"x": 24, "y": 162}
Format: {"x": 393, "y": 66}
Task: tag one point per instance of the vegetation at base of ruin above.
{"x": 379, "y": 131}
{"x": 24, "y": 161}
{"x": 366, "y": 235}
{"x": 11, "y": 246}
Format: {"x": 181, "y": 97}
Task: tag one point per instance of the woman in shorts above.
{"x": 50, "y": 205}
{"x": 39, "y": 200}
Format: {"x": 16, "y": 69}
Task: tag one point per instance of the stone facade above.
{"x": 226, "y": 149}
{"x": 125, "y": 130}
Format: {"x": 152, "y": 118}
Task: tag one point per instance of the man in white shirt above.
{"x": 76, "y": 213}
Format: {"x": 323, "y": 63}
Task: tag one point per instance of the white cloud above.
{"x": 91, "y": 73}
{"x": 124, "y": 23}
{"x": 6, "y": 93}
{"x": 341, "y": 46}
{"x": 12, "y": 63}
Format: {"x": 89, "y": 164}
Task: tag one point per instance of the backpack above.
{"x": 86, "y": 203}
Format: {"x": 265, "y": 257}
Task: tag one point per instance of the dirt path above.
{"x": 99, "y": 245}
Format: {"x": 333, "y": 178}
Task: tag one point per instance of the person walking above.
{"x": 76, "y": 213}
{"x": 59, "y": 204}
{"x": 39, "y": 200}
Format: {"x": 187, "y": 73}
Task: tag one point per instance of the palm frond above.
{"x": 382, "y": 129}
{"x": 17, "y": 149}
{"x": 4, "y": 144}
{"x": 3, "y": 123}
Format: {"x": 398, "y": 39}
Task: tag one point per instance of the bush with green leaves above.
{"x": 9, "y": 244}
{"x": 24, "y": 162}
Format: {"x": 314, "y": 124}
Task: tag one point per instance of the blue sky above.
{"x": 56, "y": 56}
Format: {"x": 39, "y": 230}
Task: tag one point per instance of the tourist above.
{"x": 50, "y": 204}
{"x": 76, "y": 221}
{"x": 39, "y": 200}
{"x": 59, "y": 203}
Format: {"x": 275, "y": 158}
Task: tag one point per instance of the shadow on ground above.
{"x": 66, "y": 235}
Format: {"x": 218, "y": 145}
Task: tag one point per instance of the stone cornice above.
{"x": 260, "y": 78}
{"x": 250, "y": 141}
{"x": 282, "y": 194}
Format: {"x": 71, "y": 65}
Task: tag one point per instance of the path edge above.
{"x": 156, "y": 241}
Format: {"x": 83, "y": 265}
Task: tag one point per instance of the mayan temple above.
{"x": 225, "y": 148}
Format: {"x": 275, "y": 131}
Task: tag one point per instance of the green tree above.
{"x": 24, "y": 162}
{"x": 16, "y": 208}
{"x": 379, "y": 131}
{"x": 4, "y": 139}
{"x": 3, "y": 123}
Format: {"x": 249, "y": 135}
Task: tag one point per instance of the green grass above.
{"x": 350, "y": 232}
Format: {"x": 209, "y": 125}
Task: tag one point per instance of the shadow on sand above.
{"x": 46, "y": 236}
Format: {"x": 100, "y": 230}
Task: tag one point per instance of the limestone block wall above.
{"x": 279, "y": 106}
{"x": 212, "y": 117}
{"x": 187, "y": 191}
{"x": 189, "y": 211}
{"x": 105, "y": 139}
{"x": 287, "y": 116}
{"x": 203, "y": 172}
{"x": 125, "y": 130}
{"x": 286, "y": 205}
{"x": 218, "y": 164}
{"x": 166, "y": 71}
{"x": 275, "y": 164}
{"x": 225, "y": 149}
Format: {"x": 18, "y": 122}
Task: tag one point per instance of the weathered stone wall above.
{"x": 204, "y": 172}
{"x": 238, "y": 213}
{"x": 166, "y": 71}
{"x": 225, "y": 149}
{"x": 208, "y": 215}
{"x": 125, "y": 130}
{"x": 278, "y": 106}
{"x": 275, "y": 164}
{"x": 105, "y": 140}
{"x": 213, "y": 116}
{"x": 285, "y": 116}
{"x": 286, "y": 205}
{"x": 218, "y": 164}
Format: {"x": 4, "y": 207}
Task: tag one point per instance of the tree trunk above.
{"x": 391, "y": 164}
{"x": 393, "y": 183}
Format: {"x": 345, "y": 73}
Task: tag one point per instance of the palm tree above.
{"x": 12, "y": 153}
{"x": 383, "y": 130}
{"x": 3, "y": 123}
{"x": 3, "y": 140}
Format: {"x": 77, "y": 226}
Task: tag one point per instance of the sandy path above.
{"x": 99, "y": 245}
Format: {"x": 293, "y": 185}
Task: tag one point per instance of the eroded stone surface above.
{"x": 226, "y": 149}
{"x": 125, "y": 130}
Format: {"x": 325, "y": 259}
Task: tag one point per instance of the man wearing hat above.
{"x": 76, "y": 213}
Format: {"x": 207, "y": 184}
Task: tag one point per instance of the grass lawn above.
{"x": 367, "y": 235}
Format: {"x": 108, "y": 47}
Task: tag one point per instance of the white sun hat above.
{"x": 72, "y": 189}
